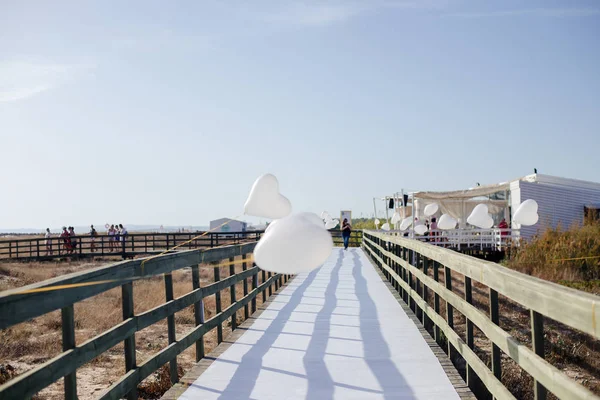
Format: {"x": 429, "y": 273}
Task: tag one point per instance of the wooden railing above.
{"x": 414, "y": 268}
{"x": 22, "y": 304}
{"x": 39, "y": 248}
{"x": 132, "y": 244}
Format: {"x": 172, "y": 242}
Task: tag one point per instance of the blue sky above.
{"x": 165, "y": 112}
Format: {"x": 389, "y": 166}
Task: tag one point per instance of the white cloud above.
{"x": 20, "y": 80}
{"x": 14, "y": 94}
{"x": 538, "y": 12}
{"x": 324, "y": 13}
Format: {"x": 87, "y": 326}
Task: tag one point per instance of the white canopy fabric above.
{"x": 461, "y": 209}
{"x": 464, "y": 194}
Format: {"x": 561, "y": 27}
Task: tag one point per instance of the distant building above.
{"x": 228, "y": 225}
{"x": 561, "y": 201}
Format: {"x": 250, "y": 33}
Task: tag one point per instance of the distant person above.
{"x": 111, "y": 238}
{"x": 117, "y": 235}
{"x": 93, "y": 235}
{"x": 124, "y": 234}
{"x": 433, "y": 229}
{"x": 503, "y": 225}
{"x": 346, "y": 231}
{"x": 48, "y": 242}
{"x": 66, "y": 239}
{"x": 73, "y": 240}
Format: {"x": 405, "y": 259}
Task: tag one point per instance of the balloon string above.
{"x": 83, "y": 284}
{"x": 186, "y": 242}
{"x": 573, "y": 259}
{"x": 135, "y": 278}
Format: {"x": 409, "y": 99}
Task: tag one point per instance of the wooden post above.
{"x": 171, "y": 327}
{"x": 449, "y": 308}
{"x": 68, "y": 343}
{"x": 469, "y": 329}
{"x": 495, "y": 317}
{"x": 425, "y": 292}
{"x": 537, "y": 339}
{"x": 218, "y": 305}
{"x": 405, "y": 277}
{"x": 254, "y": 286}
{"x": 37, "y": 242}
{"x": 395, "y": 266}
{"x": 198, "y": 312}
{"x": 418, "y": 287}
{"x": 412, "y": 305}
{"x": 436, "y": 301}
{"x": 232, "y": 293}
{"x": 270, "y": 285}
{"x": 245, "y": 287}
{"x": 401, "y": 271}
{"x": 129, "y": 343}
{"x": 264, "y": 279}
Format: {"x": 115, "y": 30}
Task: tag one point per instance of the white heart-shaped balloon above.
{"x": 377, "y": 222}
{"x": 446, "y": 222}
{"x": 527, "y": 213}
{"x": 265, "y": 200}
{"x": 430, "y": 209}
{"x": 292, "y": 245}
{"x": 311, "y": 217}
{"x": 331, "y": 224}
{"x": 420, "y": 229}
{"x": 406, "y": 223}
{"x": 480, "y": 217}
{"x": 396, "y": 217}
{"x": 385, "y": 227}
{"x": 325, "y": 215}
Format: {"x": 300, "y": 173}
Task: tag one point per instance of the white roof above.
{"x": 559, "y": 181}
{"x": 227, "y": 219}
{"x": 490, "y": 189}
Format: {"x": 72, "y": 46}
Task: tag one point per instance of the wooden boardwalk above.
{"x": 337, "y": 332}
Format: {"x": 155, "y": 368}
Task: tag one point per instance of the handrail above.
{"x": 130, "y": 245}
{"x": 405, "y": 262}
{"x": 133, "y": 244}
{"x": 22, "y": 304}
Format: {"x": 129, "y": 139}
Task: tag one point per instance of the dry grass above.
{"x": 28, "y": 344}
{"x": 545, "y": 257}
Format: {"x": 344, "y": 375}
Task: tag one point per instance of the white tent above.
{"x": 460, "y": 203}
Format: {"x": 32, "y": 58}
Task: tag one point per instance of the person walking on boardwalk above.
{"x": 48, "y": 242}
{"x": 346, "y": 230}
{"x": 94, "y": 235}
